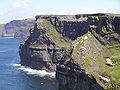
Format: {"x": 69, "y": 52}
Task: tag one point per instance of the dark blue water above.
{"x": 15, "y": 78}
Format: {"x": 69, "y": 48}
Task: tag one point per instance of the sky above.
{"x": 21, "y": 9}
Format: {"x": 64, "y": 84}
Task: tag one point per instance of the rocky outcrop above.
{"x": 71, "y": 77}
{"x": 72, "y": 45}
{"x": 106, "y": 29}
{"x": 39, "y": 52}
{"x": 2, "y": 30}
{"x": 109, "y": 62}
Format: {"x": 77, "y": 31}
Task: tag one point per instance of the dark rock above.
{"x": 40, "y": 51}
{"x": 75, "y": 80}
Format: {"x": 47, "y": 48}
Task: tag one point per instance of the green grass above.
{"x": 113, "y": 52}
{"x": 112, "y": 14}
{"x": 87, "y": 55}
{"x": 57, "y": 38}
{"x": 78, "y": 43}
{"x": 110, "y": 50}
{"x": 116, "y": 73}
{"x": 97, "y": 66}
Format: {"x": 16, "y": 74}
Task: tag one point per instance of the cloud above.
{"x": 20, "y": 4}
{"x": 88, "y": 10}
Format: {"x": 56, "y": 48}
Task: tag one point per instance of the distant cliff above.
{"x": 82, "y": 49}
{"x": 17, "y": 28}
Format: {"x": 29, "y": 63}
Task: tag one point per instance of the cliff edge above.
{"x": 83, "y": 50}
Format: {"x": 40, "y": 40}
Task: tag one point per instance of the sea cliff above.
{"x": 76, "y": 47}
{"x": 17, "y": 28}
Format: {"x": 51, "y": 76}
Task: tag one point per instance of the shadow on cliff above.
{"x": 75, "y": 29}
{"x": 71, "y": 77}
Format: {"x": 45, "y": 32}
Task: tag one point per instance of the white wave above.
{"x": 16, "y": 65}
{"x": 41, "y": 73}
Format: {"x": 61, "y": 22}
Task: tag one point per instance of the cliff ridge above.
{"x": 76, "y": 47}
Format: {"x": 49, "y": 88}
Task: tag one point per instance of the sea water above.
{"x": 13, "y": 76}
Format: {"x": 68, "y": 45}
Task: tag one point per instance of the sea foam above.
{"x": 40, "y": 73}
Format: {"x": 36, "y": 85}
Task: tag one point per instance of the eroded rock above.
{"x": 104, "y": 79}
{"x": 109, "y": 62}
{"x": 40, "y": 51}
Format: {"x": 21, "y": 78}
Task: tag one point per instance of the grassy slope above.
{"x": 57, "y": 38}
{"x": 111, "y": 14}
{"x": 113, "y": 51}
{"x": 93, "y": 60}
{"x": 93, "y": 56}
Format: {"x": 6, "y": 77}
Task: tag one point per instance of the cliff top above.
{"x": 97, "y": 14}
{"x": 93, "y": 40}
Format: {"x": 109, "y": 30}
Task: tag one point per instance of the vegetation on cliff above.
{"x": 90, "y": 50}
{"x": 113, "y": 52}
{"x": 54, "y": 36}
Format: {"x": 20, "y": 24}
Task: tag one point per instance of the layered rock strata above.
{"x": 55, "y": 40}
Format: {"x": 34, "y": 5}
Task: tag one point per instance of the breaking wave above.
{"x": 40, "y": 73}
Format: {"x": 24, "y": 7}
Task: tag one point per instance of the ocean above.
{"x": 13, "y": 76}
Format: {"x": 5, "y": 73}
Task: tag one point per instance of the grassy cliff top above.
{"x": 90, "y": 54}
{"x": 89, "y": 15}
{"x": 56, "y": 37}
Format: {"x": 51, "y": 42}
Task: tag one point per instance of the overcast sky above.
{"x": 20, "y": 9}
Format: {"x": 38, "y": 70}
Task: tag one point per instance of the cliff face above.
{"x": 2, "y": 29}
{"x": 71, "y": 77}
{"x": 78, "y": 45}
{"x": 17, "y": 28}
{"x": 40, "y": 51}
{"x": 105, "y": 28}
